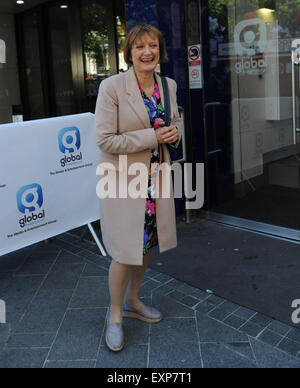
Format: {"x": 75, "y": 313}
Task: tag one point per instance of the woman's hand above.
{"x": 171, "y": 135}
{"x": 166, "y": 134}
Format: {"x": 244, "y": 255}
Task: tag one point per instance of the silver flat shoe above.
{"x": 114, "y": 337}
{"x": 144, "y": 313}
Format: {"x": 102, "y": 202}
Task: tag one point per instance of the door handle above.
{"x": 295, "y": 67}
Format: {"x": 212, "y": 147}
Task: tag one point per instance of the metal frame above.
{"x": 92, "y": 230}
{"x": 95, "y": 237}
{"x": 291, "y": 235}
{"x": 295, "y": 62}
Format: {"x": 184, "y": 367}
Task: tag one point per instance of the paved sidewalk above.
{"x": 57, "y": 300}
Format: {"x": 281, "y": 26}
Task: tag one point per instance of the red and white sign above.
{"x": 195, "y": 66}
{"x": 195, "y": 74}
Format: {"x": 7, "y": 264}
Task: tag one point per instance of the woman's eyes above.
{"x": 152, "y": 45}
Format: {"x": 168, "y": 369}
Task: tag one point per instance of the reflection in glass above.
{"x": 250, "y": 43}
{"x": 120, "y": 22}
{"x": 121, "y": 36}
{"x": 96, "y": 45}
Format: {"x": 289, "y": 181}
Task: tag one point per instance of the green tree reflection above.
{"x": 230, "y": 12}
{"x": 95, "y": 34}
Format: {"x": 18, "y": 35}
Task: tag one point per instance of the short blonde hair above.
{"x": 138, "y": 31}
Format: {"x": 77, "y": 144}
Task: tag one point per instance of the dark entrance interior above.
{"x": 64, "y": 53}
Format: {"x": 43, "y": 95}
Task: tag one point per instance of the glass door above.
{"x": 62, "y": 85}
{"x": 34, "y": 105}
{"x": 103, "y": 36}
{"x": 256, "y": 48}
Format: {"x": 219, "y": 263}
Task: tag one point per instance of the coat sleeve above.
{"x": 106, "y": 126}
{"x": 176, "y": 119}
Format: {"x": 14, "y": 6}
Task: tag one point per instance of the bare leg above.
{"x": 119, "y": 275}
{"x": 135, "y": 281}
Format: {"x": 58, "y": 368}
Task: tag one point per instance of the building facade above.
{"x": 236, "y": 63}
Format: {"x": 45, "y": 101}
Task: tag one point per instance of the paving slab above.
{"x": 57, "y": 298}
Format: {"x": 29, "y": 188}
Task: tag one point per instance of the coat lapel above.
{"x": 134, "y": 98}
{"x": 161, "y": 90}
{"x": 162, "y": 147}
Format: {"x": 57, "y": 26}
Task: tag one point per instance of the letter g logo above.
{"x": 69, "y": 140}
{"x": 250, "y": 37}
{"x": 30, "y": 198}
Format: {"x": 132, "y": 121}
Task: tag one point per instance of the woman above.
{"x": 129, "y": 107}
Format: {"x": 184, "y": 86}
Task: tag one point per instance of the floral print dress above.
{"x": 155, "y": 111}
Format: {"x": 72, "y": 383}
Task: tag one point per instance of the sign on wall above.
{"x": 195, "y": 66}
{"x": 47, "y": 179}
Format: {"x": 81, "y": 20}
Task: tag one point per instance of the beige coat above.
{"x": 122, "y": 127}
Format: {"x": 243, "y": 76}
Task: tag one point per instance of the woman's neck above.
{"x": 145, "y": 80}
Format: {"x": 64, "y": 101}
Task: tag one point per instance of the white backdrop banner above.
{"x": 47, "y": 179}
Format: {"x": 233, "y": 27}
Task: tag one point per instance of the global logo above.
{"x": 29, "y": 202}
{"x": 69, "y": 142}
{"x": 250, "y": 40}
{"x": 250, "y": 37}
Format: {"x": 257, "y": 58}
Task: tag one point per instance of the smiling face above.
{"x": 145, "y": 53}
